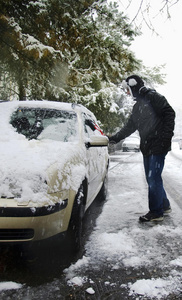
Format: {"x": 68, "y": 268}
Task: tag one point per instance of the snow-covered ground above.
{"x": 119, "y": 241}
{"x": 119, "y": 244}
{"x": 10, "y": 285}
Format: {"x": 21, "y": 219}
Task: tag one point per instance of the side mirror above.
{"x": 97, "y": 141}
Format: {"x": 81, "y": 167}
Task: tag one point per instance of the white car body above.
{"x": 41, "y": 178}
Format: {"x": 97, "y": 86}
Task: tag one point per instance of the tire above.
{"x": 74, "y": 234}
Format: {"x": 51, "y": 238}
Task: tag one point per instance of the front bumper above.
{"x": 21, "y": 224}
{"x": 32, "y": 211}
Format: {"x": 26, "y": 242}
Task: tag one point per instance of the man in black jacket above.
{"x": 153, "y": 117}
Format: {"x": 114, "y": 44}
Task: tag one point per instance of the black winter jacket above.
{"x": 154, "y": 118}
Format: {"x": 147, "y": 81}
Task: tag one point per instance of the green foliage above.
{"x": 154, "y": 76}
{"x": 66, "y": 50}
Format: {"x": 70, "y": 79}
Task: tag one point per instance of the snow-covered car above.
{"x": 131, "y": 144}
{"x": 54, "y": 161}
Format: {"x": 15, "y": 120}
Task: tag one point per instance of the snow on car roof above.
{"x": 47, "y": 104}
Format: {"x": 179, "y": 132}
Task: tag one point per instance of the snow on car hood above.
{"x": 24, "y": 164}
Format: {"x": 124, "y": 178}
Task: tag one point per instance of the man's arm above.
{"x": 166, "y": 112}
{"x": 127, "y": 130}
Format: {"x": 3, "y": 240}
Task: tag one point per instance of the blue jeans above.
{"x": 154, "y": 165}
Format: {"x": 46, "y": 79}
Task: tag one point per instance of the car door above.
{"x": 96, "y": 164}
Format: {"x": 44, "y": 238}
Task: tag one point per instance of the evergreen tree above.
{"x": 66, "y": 50}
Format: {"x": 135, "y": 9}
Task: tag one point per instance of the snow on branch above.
{"x": 30, "y": 43}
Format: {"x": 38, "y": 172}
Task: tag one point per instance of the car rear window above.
{"x": 39, "y": 123}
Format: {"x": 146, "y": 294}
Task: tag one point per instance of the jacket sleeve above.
{"x": 166, "y": 112}
{"x": 128, "y": 129}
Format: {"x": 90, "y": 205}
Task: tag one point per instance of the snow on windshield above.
{"x": 25, "y": 162}
{"x": 37, "y": 123}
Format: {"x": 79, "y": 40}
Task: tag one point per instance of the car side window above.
{"x": 90, "y": 126}
{"x": 87, "y": 125}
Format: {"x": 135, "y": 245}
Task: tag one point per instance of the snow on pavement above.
{"x": 10, "y": 285}
{"x": 120, "y": 241}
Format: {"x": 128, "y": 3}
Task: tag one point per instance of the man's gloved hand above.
{"x": 110, "y": 140}
{"x": 111, "y": 145}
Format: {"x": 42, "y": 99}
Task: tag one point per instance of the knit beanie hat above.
{"x": 135, "y": 83}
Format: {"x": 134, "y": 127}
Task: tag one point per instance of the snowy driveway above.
{"x": 124, "y": 259}
{"x": 150, "y": 254}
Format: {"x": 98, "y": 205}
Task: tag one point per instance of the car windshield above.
{"x": 39, "y": 123}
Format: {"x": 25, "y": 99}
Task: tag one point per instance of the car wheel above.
{"x": 74, "y": 234}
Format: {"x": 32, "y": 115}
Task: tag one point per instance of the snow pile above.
{"x": 71, "y": 271}
{"x": 90, "y": 291}
{"x": 24, "y": 172}
{"x": 77, "y": 281}
{"x": 9, "y": 285}
{"x": 153, "y": 288}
